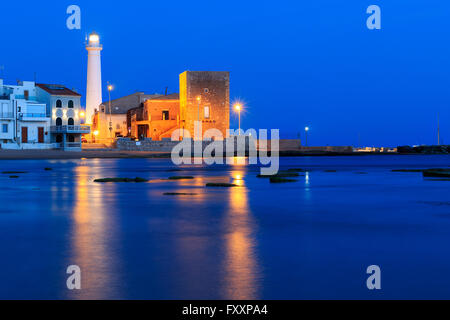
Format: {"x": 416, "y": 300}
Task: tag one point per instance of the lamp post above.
{"x": 306, "y": 136}
{"x": 238, "y": 108}
{"x": 110, "y": 87}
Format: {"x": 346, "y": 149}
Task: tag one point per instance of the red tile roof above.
{"x": 57, "y": 90}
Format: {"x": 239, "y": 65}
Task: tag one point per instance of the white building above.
{"x": 24, "y": 123}
{"x": 94, "y": 76}
{"x": 64, "y": 109}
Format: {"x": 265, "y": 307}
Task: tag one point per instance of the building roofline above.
{"x": 64, "y": 91}
{"x": 137, "y": 93}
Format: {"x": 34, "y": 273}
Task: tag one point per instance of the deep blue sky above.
{"x": 294, "y": 63}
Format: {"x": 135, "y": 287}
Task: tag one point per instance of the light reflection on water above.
{"x": 95, "y": 237}
{"x": 240, "y": 258}
{"x": 92, "y": 230}
{"x": 233, "y": 273}
{"x": 256, "y": 240}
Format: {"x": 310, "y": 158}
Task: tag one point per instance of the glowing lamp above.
{"x": 94, "y": 38}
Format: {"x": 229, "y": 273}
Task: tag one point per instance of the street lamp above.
{"x": 306, "y": 135}
{"x": 110, "y": 87}
{"x": 238, "y": 108}
{"x": 95, "y": 133}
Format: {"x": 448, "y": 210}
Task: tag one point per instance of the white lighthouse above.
{"x": 94, "y": 76}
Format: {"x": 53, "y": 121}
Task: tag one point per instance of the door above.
{"x": 24, "y": 134}
{"x": 41, "y": 135}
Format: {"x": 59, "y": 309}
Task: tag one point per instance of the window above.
{"x": 206, "y": 112}
{"x": 71, "y": 138}
{"x": 70, "y": 122}
{"x": 206, "y": 90}
{"x": 70, "y": 105}
{"x": 58, "y": 122}
{"x": 165, "y": 115}
{"x": 118, "y": 126}
{"x": 59, "y": 138}
{"x": 5, "y": 128}
{"x": 26, "y": 94}
{"x": 58, "y": 103}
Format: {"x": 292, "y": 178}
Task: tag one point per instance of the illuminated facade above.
{"x": 64, "y": 108}
{"x": 204, "y": 96}
{"x": 117, "y": 116}
{"x": 157, "y": 118}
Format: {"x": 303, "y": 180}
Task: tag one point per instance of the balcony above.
{"x": 22, "y": 97}
{"x": 32, "y": 116}
{"x": 6, "y": 115}
{"x": 70, "y": 129}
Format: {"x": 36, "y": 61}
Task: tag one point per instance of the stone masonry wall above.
{"x": 213, "y": 88}
{"x": 127, "y": 144}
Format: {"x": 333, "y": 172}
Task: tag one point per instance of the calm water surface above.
{"x": 309, "y": 239}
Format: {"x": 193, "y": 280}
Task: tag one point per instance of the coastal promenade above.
{"x": 88, "y": 154}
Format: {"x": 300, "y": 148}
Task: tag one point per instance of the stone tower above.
{"x": 205, "y": 96}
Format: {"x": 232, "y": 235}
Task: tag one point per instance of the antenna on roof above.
{"x": 166, "y": 90}
{"x": 35, "y": 77}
